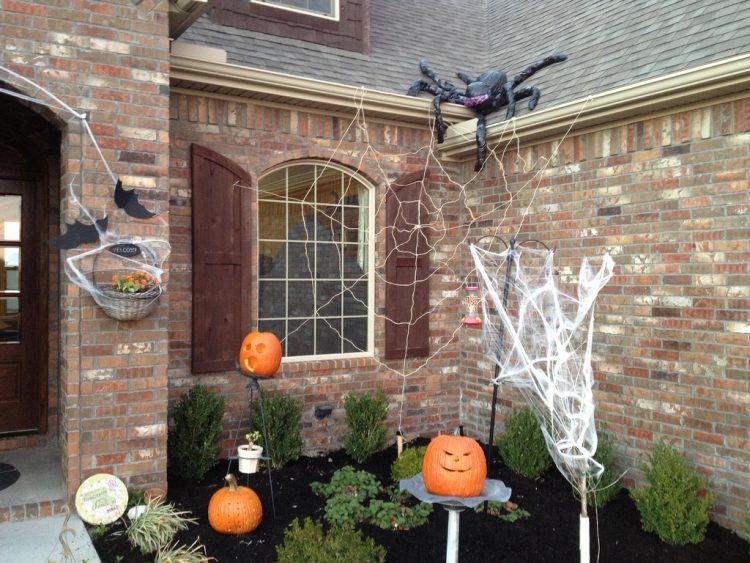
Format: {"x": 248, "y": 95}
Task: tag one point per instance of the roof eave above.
{"x": 711, "y": 81}
{"x": 228, "y": 79}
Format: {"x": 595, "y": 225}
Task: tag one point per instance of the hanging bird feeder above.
{"x": 471, "y": 304}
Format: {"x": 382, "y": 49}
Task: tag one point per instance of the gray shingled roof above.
{"x": 613, "y": 43}
{"x": 446, "y": 32}
{"x": 609, "y": 43}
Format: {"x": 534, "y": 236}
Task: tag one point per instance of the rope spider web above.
{"x": 432, "y": 216}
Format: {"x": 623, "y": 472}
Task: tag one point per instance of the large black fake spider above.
{"x": 484, "y": 94}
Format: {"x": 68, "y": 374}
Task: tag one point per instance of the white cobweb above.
{"x": 93, "y": 269}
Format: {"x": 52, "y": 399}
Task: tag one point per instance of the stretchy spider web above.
{"x": 92, "y": 270}
{"x": 540, "y": 337}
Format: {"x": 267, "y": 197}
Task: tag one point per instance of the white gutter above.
{"x": 229, "y": 79}
{"x": 708, "y": 82}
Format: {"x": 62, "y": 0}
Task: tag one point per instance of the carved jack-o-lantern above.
{"x": 260, "y": 354}
{"x": 454, "y": 466}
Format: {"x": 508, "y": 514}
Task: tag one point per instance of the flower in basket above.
{"x": 253, "y": 437}
{"x": 136, "y": 281}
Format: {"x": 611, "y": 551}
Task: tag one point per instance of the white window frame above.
{"x": 273, "y": 4}
{"x": 370, "y": 352}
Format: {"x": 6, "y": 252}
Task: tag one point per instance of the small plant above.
{"x": 345, "y": 495}
{"x": 365, "y": 417}
{"x": 194, "y": 437}
{"x": 174, "y": 553}
{"x": 408, "y": 464}
{"x": 97, "y": 532}
{"x": 253, "y": 437}
{"x": 310, "y": 544}
{"x": 283, "y": 416}
{"x": 136, "y": 281}
{"x": 675, "y": 503}
{"x": 607, "y": 487}
{"x": 506, "y": 511}
{"x": 350, "y": 499}
{"x": 523, "y": 448}
{"x": 396, "y": 514}
{"x": 156, "y": 527}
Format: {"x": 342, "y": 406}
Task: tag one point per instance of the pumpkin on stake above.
{"x": 234, "y": 509}
{"x": 454, "y": 466}
{"x": 260, "y": 354}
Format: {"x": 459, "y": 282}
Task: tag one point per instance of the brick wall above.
{"x": 109, "y": 59}
{"x": 668, "y": 197}
{"x": 257, "y": 138}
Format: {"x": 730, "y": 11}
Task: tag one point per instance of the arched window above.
{"x": 315, "y": 260}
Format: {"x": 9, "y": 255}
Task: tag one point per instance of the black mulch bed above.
{"x": 550, "y": 534}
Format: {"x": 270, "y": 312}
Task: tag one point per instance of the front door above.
{"x": 23, "y": 301}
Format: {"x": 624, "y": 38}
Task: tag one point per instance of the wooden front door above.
{"x": 23, "y": 300}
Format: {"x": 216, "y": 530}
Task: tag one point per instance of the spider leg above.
{"x": 422, "y": 86}
{"x": 440, "y": 126}
{"x": 481, "y": 141}
{"x": 511, "y": 97}
{"x": 465, "y": 78}
{"x": 529, "y": 92}
{"x": 429, "y": 73}
{"x": 536, "y": 67}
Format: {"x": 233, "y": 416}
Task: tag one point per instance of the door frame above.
{"x": 35, "y": 171}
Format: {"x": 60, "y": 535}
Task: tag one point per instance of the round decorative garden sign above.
{"x": 101, "y": 499}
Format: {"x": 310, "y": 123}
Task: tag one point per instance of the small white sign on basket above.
{"x": 101, "y": 499}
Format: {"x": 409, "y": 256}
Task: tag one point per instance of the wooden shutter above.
{"x": 221, "y": 260}
{"x": 407, "y": 261}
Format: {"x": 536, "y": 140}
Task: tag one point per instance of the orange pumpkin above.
{"x": 454, "y": 466}
{"x": 234, "y": 509}
{"x": 260, "y": 354}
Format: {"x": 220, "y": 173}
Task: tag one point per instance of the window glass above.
{"x": 314, "y": 268}
{"x": 325, "y": 8}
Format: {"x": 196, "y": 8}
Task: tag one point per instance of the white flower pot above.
{"x": 248, "y": 458}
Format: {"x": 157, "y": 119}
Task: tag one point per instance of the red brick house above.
{"x": 262, "y": 94}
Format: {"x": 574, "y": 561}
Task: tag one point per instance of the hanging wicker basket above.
{"x": 128, "y": 306}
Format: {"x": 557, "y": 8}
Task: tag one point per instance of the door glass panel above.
{"x": 10, "y": 266}
{"x": 10, "y": 319}
{"x": 10, "y": 217}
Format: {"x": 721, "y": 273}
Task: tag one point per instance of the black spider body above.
{"x": 484, "y": 94}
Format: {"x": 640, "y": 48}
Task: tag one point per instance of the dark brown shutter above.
{"x": 221, "y": 260}
{"x": 407, "y": 262}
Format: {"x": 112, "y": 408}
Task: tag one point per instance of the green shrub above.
{"x": 194, "y": 437}
{"x": 283, "y": 417}
{"x": 675, "y": 503}
{"x": 606, "y": 487}
{"x": 365, "y": 417}
{"x": 309, "y": 544}
{"x": 523, "y": 448}
{"x": 408, "y": 464}
{"x": 350, "y": 499}
{"x": 745, "y": 528}
{"x": 345, "y": 495}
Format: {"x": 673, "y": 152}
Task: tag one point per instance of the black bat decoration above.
{"x": 78, "y": 233}
{"x": 128, "y": 200}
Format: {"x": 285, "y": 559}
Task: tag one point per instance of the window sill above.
{"x": 291, "y": 365}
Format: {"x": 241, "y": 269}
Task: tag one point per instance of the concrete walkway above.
{"x": 37, "y": 541}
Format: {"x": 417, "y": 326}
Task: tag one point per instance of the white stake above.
{"x": 451, "y": 553}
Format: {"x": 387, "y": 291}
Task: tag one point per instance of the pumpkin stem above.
{"x": 232, "y": 480}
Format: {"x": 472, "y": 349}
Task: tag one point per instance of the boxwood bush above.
{"x": 675, "y": 503}
{"x": 283, "y": 417}
{"x": 365, "y": 417}
{"x": 193, "y": 438}
{"x": 523, "y": 448}
{"x": 308, "y": 543}
{"x": 408, "y": 464}
{"x": 607, "y": 487}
